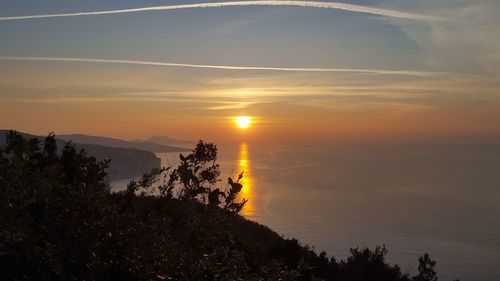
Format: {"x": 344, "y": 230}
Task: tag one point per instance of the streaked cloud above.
{"x": 305, "y": 4}
{"x": 229, "y": 67}
{"x": 468, "y": 43}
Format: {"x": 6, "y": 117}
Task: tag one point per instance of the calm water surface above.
{"x": 414, "y": 199}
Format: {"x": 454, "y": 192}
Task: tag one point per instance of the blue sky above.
{"x": 454, "y": 43}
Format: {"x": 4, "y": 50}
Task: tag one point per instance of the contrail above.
{"x": 307, "y": 4}
{"x": 228, "y": 67}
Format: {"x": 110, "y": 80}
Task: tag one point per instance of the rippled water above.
{"x": 414, "y": 199}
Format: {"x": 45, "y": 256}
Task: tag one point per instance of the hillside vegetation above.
{"x": 125, "y": 163}
{"x": 59, "y": 223}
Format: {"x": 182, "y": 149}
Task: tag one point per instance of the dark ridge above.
{"x": 126, "y": 163}
{"x": 113, "y": 142}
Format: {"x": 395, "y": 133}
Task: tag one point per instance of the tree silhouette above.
{"x": 426, "y": 270}
{"x": 60, "y": 222}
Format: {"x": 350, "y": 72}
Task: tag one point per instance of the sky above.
{"x": 351, "y": 71}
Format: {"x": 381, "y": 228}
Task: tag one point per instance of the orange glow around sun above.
{"x": 243, "y": 122}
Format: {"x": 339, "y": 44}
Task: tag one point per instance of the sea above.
{"x": 441, "y": 199}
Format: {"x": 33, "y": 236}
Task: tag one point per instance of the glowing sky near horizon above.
{"x": 359, "y": 70}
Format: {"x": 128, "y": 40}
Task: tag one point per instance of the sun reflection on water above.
{"x": 247, "y": 181}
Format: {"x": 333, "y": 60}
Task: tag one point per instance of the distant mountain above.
{"x": 125, "y": 163}
{"x": 169, "y": 141}
{"x": 113, "y": 142}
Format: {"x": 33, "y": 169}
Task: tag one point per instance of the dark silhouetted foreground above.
{"x": 127, "y": 162}
{"x": 58, "y": 222}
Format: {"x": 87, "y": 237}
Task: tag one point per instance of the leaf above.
{"x": 236, "y": 187}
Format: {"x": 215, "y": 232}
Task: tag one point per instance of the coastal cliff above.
{"x": 126, "y": 163}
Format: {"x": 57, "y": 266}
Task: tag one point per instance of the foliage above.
{"x": 195, "y": 179}
{"x": 426, "y": 269}
{"x": 60, "y": 222}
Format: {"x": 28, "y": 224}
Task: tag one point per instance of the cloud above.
{"x": 230, "y": 67}
{"x": 468, "y": 42}
{"x": 305, "y": 4}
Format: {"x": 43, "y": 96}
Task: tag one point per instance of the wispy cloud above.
{"x": 307, "y": 4}
{"x": 229, "y": 67}
{"x": 468, "y": 41}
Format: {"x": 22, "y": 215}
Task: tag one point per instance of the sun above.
{"x": 243, "y": 122}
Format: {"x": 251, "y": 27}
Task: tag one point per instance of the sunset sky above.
{"x": 373, "y": 71}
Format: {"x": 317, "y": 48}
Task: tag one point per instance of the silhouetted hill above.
{"x": 113, "y": 142}
{"x": 125, "y": 162}
{"x": 60, "y": 222}
{"x": 169, "y": 141}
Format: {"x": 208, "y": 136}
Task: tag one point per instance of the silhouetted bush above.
{"x": 59, "y": 222}
{"x": 426, "y": 269}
